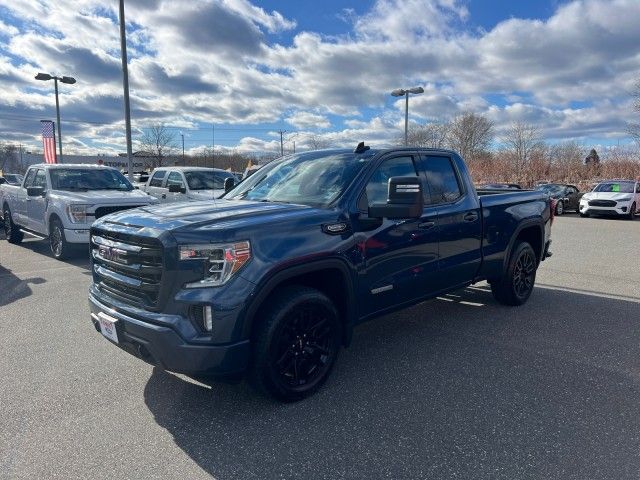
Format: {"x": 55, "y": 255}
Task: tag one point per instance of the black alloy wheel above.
{"x": 296, "y": 345}
{"x": 524, "y": 274}
{"x": 516, "y": 285}
{"x": 559, "y": 207}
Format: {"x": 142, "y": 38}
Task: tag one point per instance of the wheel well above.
{"x": 52, "y": 217}
{"x": 330, "y": 281}
{"x": 533, "y": 236}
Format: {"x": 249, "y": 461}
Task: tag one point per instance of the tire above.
{"x": 584, "y": 215}
{"x": 559, "y": 208}
{"x": 60, "y": 248}
{"x": 515, "y": 287}
{"x": 11, "y": 232}
{"x": 295, "y": 345}
{"x": 632, "y": 212}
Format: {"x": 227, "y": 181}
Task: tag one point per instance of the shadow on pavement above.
{"x": 13, "y": 288}
{"x": 458, "y": 387}
{"x": 79, "y": 257}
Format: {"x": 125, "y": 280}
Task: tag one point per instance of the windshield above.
{"x": 550, "y": 188}
{"x": 617, "y": 187}
{"x": 315, "y": 179}
{"x": 88, "y": 179}
{"x": 206, "y": 180}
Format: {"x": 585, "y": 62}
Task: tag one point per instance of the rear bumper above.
{"x": 164, "y": 347}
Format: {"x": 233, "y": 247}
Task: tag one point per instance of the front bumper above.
{"x": 622, "y": 208}
{"x": 164, "y": 347}
{"x": 80, "y": 234}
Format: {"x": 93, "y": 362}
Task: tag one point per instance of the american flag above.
{"x": 48, "y": 141}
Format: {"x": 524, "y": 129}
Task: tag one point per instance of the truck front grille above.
{"x": 602, "y": 203}
{"x": 128, "y": 267}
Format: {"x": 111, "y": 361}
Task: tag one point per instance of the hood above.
{"x": 97, "y": 197}
{"x": 212, "y": 215}
{"x": 617, "y": 196}
{"x": 205, "y": 194}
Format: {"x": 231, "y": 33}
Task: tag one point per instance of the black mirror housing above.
{"x": 177, "y": 189}
{"x": 229, "y": 183}
{"x": 35, "y": 191}
{"x": 404, "y": 200}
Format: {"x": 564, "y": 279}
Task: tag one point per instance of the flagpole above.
{"x": 125, "y": 83}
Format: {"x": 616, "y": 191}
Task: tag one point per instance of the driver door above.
{"x": 36, "y": 206}
{"x": 400, "y": 256}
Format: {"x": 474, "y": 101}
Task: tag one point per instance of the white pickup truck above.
{"x": 188, "y": 184}
{"x": 60, "y": 202}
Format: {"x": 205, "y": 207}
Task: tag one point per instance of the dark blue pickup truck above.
{"x": 269, "y": 281}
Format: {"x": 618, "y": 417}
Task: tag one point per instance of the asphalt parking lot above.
{"x": 457, "y": 387}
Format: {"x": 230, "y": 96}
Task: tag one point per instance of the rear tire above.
{"x": 60, "y": 248}
{"x": 11, "y": 231}
{"x": 559, "y": 208}
{"x": 516, "y": 285}
{"x": 296, "y": 344}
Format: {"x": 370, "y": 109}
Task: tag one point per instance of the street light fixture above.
{"x": 399, "y": 92}
{"x": 68, "y": 80}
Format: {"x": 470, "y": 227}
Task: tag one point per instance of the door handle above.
{"x": 470, "y": 217}
{"x": 426, "y": 225}
{"x": 28, "y": 199}
{"x": 164, "y": 195}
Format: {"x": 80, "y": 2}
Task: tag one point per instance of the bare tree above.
{"x": 9, "y": 158}
{"x": 522, "y": 140}
{"x": 316, "y": 142}
{"x": 159, "y": 142}
{"x": 432, "y": 135}
{"x": 470, "y": 134}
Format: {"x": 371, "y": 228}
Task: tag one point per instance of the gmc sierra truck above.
{"x": 270, "y": 281}
{"x": 60, "y": 202}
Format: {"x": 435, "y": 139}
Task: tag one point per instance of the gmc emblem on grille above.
{"x": 111, "y": 254}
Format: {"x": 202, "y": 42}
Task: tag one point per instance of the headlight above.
{"x": 220, "y": 261}
{"x": 77, "y": 213}
{"x": 625, "y": 198}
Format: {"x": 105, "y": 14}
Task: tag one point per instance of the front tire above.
{"x": 11, "y": 231}
{"x": 516, "y": 285}
{"x": 559, "y": 208}
{"x": 632, "y": 212}
{"x": 296, "y": 344}
{"x": 60, "y": 248}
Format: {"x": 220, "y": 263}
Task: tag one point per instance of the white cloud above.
{"x": 304, "y": 120}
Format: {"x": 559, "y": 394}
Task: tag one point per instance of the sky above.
{"x": 236, "y": 72}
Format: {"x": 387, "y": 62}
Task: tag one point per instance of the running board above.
{"x": 29, "y": 232}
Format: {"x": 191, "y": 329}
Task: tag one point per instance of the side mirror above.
{"x": 229, "y": 183}
{"x": 404, "y": 200}
{"x": 35, "y": 191}
{"x": 177, "y": 189}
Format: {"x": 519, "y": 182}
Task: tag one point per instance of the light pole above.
{"x": 182, "y": 135}
{"x": 399, "y": 92}
{"x": 70, "y": 80}
{"x": 125, "y": 85}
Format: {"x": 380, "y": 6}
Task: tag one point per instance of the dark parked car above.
{"x": 12, "y": 178}
{"x": 270, "y": 280}
{"x": 567, "y": 197}
{"x": 499, "y": 186}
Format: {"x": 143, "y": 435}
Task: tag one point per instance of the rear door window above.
{"x": 444, "y": 184}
